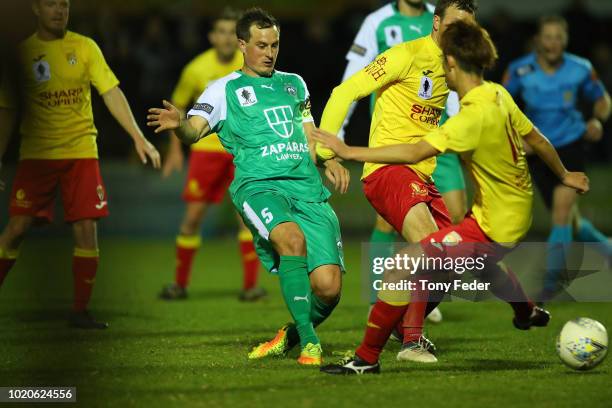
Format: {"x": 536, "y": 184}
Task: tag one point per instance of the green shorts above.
{"x": 263, "y": 211}
{"x": 448, "y": 175}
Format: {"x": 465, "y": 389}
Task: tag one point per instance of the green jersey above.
{"x": 259, "y": 120}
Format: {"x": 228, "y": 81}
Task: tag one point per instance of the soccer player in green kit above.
{"x": 396, "y": 22}
{"x": 263, "y": 119}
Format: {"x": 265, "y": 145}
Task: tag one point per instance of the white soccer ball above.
{"x": 582, "y": 343}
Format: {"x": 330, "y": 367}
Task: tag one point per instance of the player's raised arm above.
{"x": 393, "y": 154}
{"x": 386, "y": 68}
{"x": 117, "y": 104}
{"x": 189, "y": 131}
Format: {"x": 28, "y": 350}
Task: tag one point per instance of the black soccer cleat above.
{"x": 539, "y": 318}
{"x": 173, "y": 291}
{"x": 84, "y": 320}
{"x": 252, "y": 295}
{"x": 351, "y": 365}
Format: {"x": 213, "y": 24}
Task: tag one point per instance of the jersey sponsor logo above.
{"x": 285, "y": 151}
{"x": 270, "y": 87}
{"x": 204, "y": 107}
{"x": 393, "y": 35}
{"x": 377, "y": 68}
{"x": 246, "y": 96}
{"x": 359, "y": 50}
{"x": 280, "y": 120}
{"x": 41, "y": 69}
{"x": 426, "y": 88}
{"x": 425, "y": 114}
{"x": 61, "y": 97}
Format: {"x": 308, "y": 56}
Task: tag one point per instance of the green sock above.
{"x": 319, "y": 311}
{"x": 295, "y": 287}
{"x": 377, "y": 249}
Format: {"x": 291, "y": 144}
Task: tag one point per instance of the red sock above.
{"x": 381, "y": 321}
{"x": 414, "y": 317}
{"x": 250, "y": 262}
{"x": 186, "y": 247}
{"x": 84, "y": 268}
{"x": 413, "y": 321}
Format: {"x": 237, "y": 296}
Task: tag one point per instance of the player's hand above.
{"x": 332, "y": 142}
{"x": 145, "y": 149}
{"x": 576, "y": 180}
{"x": 594, "y": 131}
{"x": 338, "y": 175}
{"x": 174, "y": 162}
{"x": 166, "y": 118}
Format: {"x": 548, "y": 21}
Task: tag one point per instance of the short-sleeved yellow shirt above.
{"x": 487, "y": 134}
{"x": 57, "y": 120}
{"x": 196, "y": 76}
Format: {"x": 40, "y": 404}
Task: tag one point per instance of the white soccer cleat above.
{"x": 420, "y": 351}
{"x": 435, "y": 316}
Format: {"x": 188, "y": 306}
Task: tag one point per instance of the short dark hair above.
{"x": 464, "y": 5}
{"x": 254, "y": 16}
{"x": 552, "y": 19}
{"x": 227, "y": 13}
{"x": 470, "y": 45}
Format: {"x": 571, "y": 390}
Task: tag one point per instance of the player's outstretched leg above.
{"x": 506, "y": 286}
{"x": 289, "y": 242}
{"x": 326, "y": 284}
{"x": 84, "y": 268}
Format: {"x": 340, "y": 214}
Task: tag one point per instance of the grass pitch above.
{"x": 193, "y": 353}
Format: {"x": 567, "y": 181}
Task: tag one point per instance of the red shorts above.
{"x": 209, "y": 176}
{"x": 394, "y": 190}
{"x": 465, "y": 239}
{"x": 79, "y": 181}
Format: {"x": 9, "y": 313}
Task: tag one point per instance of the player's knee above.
{"x": 190, "y": 226}
{"x": 328, "y": 286}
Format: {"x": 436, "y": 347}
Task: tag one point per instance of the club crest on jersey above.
{"x": 246, "y": 96}
{"x": 290, "y": 89}
{"x": 71, "y": 58}
{"x": 426, "y": 87}
{"x": 42, "y": 70}
{"x": 393, "y": 35}
{"x": 100, "y": 192}
{"x": 280, "y": 120}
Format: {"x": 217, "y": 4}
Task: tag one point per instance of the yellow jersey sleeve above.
{"x": 183, "y": 94}
{"x": 100, "y": 74}
{"x": 460, "y": 133}
{"x": 521, "y": 124}
{"x": 385, "y": 69}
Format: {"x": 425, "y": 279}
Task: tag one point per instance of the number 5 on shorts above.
{"x": 267, "y": 215}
